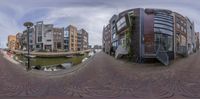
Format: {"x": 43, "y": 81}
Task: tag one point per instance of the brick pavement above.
{"x": 105, "y": 77}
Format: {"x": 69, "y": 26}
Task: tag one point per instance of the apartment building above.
{"x": 106, "y": 39}
{"x": 82, "y": 40}
{"x": 58, "y": 39}
{"x": 11, "y": 42}
{"x": 46, "y": 37}
{"x": 143, "y": 34}
{"x": 19, "y": 41}
{"x": 181, "y": 34}
{"x": 24, "y": 40}
{"x": 190, "y": 36}
{"x": 73, "y": 38}
{"x": 114, "y": 37}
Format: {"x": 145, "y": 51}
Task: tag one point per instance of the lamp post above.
{"x": 28, "y": 25}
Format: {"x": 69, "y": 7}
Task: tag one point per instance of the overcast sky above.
{"x": 91, "y": 15}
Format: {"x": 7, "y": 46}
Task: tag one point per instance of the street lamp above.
{"x": 28, "y": 25}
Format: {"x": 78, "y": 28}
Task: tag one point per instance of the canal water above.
{"x": 51, "y": 60}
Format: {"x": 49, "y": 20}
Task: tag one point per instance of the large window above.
{"x": 66, "y": 33}
{"x": 164, "y": 31}
{"x": 183, "y": 41}
{"x": 165, "y": 40}
{"x": 40, "y": 39}
{"x": 163, "y": 19}
{"x": 59, "y": 45}
{"x": 163, "y": 22}
{"x": 114, "y": 44}
{"x": 113, "y": 36}
{"x": 121, "y": 23}
{"x": 178, "y": 25}
{"x": 163, "y": 26}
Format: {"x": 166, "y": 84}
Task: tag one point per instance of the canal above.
{"x": 51, "y": 60}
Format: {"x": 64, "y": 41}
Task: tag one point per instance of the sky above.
{"x": 91, "y": 15}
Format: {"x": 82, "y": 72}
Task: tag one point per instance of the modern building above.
{"x": 58, "y": 39}
{"x": 24, "y": 39}
{"x": 11, "y": 42}
{"x": 82, "y": 40}
{"x": 18, "y": 41}
{"x": 44, "y": 36}
{"x": 181, "y": 34}
{"x": 114, "y": 37}
{"x": 106, "y": 39}
{"x": 190, "y": 36}
{"x": 73, "y": 38}
{"x": 66, "y": 39}
{"x": 143, "y": 34}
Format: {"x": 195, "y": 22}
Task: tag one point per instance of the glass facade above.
{"x": 164, "y": 30}
{"x": 165, "y": 40}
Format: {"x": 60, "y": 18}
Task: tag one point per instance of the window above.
{"x": 178, "y": 25}
{"x": 183, "y": 41}
{"x": 164, "y": 17}
{"x": 48, "y": 40}
{"x": 181, "y": 22}
{"x": 121, "y": 23}
{"x": 123, "y": 42}
{"x": 164, "y": 40}
{"x": 163, "y": 22}
{"x": 164, "y": 31}
{"x": 114, "y": 44}
{"x": 113, "y": 36}
{"x": 37, "y": 46}
{"x": 40, "y": 39}
{"x": 59, "y": 45}
{"x": 163, "y": 26}
{"x": 181, "y": 28}
{"x": 31, "y": 41}
{"x": 185, "y": 30}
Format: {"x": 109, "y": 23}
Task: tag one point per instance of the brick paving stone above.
{"x": 105, "y": 77}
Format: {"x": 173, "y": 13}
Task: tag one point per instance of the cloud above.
{"x": 91, "y": 19}
{"x": 91, "y": 15}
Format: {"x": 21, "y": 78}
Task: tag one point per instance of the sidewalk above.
{"x": 9, "y": 58}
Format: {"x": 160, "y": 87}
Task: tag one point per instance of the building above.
{"x": 18, "y": 41}
{"x": 66, "y": 39}
{"x": 11, "y": 42}
{"x": 58, "y": 39}
{"x": 31, "y": 40}
{"x": 82, "y": 40}
{"x": 72, "y": 38}
{"x": 107, "y": 39}
{"x": 197, "y": 40}
{"x": 143, "y": 34}
{"x": 181, "y": 34}
{"x": 190, "y": 35}
{"x": 114, "y": 37}
{"x": 44, "y": 36}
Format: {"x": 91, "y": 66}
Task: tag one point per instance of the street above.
{"x": 102, "y": 76}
